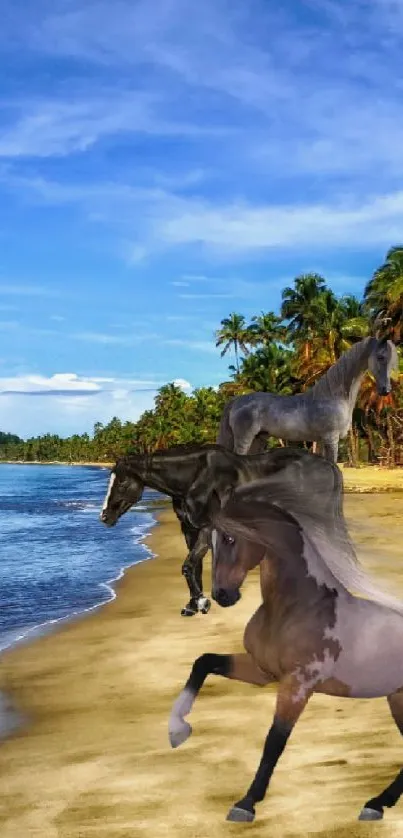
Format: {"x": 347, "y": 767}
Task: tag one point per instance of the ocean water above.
{"x": 56, "y": 558}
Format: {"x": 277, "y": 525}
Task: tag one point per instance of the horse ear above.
{"x": 380, "y": 326}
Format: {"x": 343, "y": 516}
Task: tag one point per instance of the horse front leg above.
{"x": 239, "y": 667}
{"x": 330, "y": 449}
{"x": 192, "y": 570}
{"x": 291, "y": 701}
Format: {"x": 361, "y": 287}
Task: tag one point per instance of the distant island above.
{"x": 279, "y": 353}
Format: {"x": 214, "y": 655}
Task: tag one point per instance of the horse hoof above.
{"x": 237, "y": 815}
{"x": 188, "y": 612}
{"x": 368, "y": 814}
{"x": 203, "y": 605}
{"x": 179, "y": 732}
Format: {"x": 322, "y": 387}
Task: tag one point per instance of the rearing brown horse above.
{"x": 311, "y": 633}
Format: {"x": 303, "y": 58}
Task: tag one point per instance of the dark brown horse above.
{"x": 323, "y": 626}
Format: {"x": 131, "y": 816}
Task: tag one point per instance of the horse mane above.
{"x": 186, "y": 448}
{"x": 132, "y": 457}
{"x": 319, "y": 517}
{"x": 335, "y": 380}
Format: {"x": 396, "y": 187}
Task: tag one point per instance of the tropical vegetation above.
{"x": 283, "y": 353}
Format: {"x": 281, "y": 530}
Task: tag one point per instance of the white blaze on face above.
{"x": 108, "y": 494}
{"x": 213, "y": 541}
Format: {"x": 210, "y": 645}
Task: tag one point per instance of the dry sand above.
{"x": 93, "y": 759}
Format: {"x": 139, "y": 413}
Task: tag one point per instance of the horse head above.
{"x": 383, "y": 359}
{"x": 125, "y": 488}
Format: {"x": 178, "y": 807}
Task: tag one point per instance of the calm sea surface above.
{"x": 56, "y": 558}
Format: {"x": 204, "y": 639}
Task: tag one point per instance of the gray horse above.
{"x": 321, "y": 414}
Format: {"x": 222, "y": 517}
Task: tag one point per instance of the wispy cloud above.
{"x": 53, "y": 128}
{"x": 28, "y": 290}
{"x": 166, "y": 221}
{"x": 205, "y": 296}
{"x": 70, "y": 403}
{"x": 115, "y": 340}
{"x": 132, "y": 340}
{"x": 197, "y": 345}
{"x": 76, "y": 385}
{"x": 186, "y": 155}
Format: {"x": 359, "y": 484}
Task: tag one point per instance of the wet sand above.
{"x": 93, "y": 758}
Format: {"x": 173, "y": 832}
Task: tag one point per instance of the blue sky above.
{"x": 165, "y": 163}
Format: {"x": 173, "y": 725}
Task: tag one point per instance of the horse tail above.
{"x": 225, "y": 433}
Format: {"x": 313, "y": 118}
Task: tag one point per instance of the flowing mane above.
{"x": 337, "y": 379}
{"x": 321, "y": 521}
{"x": 183, "y": 448}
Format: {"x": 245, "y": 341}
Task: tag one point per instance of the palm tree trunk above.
{"x": 236, "y": 356}
{"x": 352, "y": 448}
{"x": 371, "y": 444}
{"x": 391, "y": 441}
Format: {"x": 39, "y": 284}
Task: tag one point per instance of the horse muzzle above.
{"x": 106, "y": 519}
{"x": 226, "y": 597}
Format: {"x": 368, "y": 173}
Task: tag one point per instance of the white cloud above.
{"x": 183, "y": 384}
{"x": 197, "y": 345}
{"x": 28, "y": 290}
{"x": 205, "y": 296}
{"x": 115, "y": 340}
{"x": 231, "y": 228}
{"x": 242, "y": 227}
{"x": 67, "y": 403}
{"x": 59, "y": 127}
{"x": 41, "y": 384}
{"x": 291, "y": 125}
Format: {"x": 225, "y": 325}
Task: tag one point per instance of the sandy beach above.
{"x": 93, "y": 759}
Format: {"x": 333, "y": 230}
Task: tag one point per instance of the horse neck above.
{"x": 163, "y": 474}
{"x": 344, "y": 378}
{"x": 292, "y": 581}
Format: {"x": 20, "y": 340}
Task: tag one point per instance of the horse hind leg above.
{"x": 246, "y": 430}
{"x": 373, "y": 809}
{"x": 259, "y": 444}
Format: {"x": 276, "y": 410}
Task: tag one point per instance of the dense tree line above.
{"x": 282, "y": 353}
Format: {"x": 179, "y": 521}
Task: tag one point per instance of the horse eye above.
{"x": 229, "y": 539}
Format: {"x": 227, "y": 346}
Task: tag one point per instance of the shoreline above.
{"x": 56, "y": 463}
{"x": 11, "y": 720}
{"x": 92, "y": 756}
{"x": 364, "y": 479}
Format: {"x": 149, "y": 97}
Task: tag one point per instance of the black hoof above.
{"x": 237, "y": 815}
{"x": 368, "y": 814}
{"x": 188, "y": 612}
{"x": 242, "y": 812}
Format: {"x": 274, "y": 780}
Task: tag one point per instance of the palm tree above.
{"x": 265, "y": 328}
{"x": 339, "y": 324}
{"x": 233, "y": 333}
{"x": 384, "y": 292}
{"x": 300, "y": 308}
{"x": 266, "y": 370}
